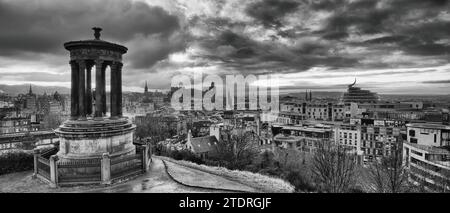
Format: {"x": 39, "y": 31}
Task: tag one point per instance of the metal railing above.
{"x": 102, "y": 170}
{"x": 126, "y": 166}
{"x": 43, "y": 167}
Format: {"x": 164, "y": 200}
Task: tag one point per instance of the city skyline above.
{"x": 261, "y": 96}
{"x": 398, "y": 47}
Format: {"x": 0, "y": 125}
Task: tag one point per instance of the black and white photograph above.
{"x": 252, "y": 98}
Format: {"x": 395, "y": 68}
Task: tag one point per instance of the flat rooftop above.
{"x": 305, "y": 128}
{"x": 428, "y": 126}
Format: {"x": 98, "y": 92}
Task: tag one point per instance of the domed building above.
{"x": 358, "y": 95}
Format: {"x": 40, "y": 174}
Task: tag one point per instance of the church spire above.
{"x": 30, "y": 91}
{"x": 146, "y": 87}
{"x": 310, "y": 95}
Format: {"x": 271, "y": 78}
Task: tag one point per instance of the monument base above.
{"x": 94, "y": 150}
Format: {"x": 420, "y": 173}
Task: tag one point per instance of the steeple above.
{"x": 146, "y": 88}
{"x": 30, "y": 91}
{"x": 306, "y": 95}
{"x": 310, "y": 95}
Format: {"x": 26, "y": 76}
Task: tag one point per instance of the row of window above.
{"x": 444, "y": 186}
{"x": 430, "y": 166}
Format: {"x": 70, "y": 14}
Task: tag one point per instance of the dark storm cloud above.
{"x": 366, "y": 19}
{"x": 428, "y": 49}
{"x": 413, "y": 45}
{"x": 271, "y": 12}
{"x": 43, "y": 26}
{"x": 248, "y": 55}
{"x": 149, "y": 50}
{"x": 251, "y": 37}
{"x": 335, "y": 35}
{"x": 437, "y": 82}
{"x": 241, "y": 51}
{"x": 412, "y": 26}
{"x": 326, "y": 4}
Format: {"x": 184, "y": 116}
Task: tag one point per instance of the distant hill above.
{"x": 317, "y": 94}
{"x": 14, "y": 90}
{"x": 385, "y": 97}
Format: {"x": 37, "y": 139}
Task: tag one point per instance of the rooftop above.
{"x": 294, "y": 138}
{"x": 307, "y": 128}
{"x": 429, "y": 126}
{"x": 97, "y": 42}
{"x": 203, "y": 144}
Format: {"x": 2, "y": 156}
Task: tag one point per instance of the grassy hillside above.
{"x": 262, "y": 182}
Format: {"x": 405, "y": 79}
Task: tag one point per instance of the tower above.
{"x": 146, "y": 88}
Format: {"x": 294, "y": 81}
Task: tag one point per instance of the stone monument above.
{"x": 90, "y": 133}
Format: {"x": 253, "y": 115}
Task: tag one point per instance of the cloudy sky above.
{"x": 390, "y": 46}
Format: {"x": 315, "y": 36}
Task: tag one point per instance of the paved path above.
{"x": 197, "y": 178}
{"x": 157, "y": 180}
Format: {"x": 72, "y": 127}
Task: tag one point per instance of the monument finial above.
{"x": 97, "y": 31}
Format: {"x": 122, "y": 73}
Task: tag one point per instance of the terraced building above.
{"x": 358, "y": 95}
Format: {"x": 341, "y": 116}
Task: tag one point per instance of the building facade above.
{"x": 303, "y": 138}
{"x": 426, "y": 154}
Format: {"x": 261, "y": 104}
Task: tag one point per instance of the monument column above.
{"x": 103, "y": 91}
{"x": 88, "y": 89}
{"x": 74, "y": 91}
{"x": 81, "y": 90}
{"x": 114, "y": 90}
{"x": 119, "y": 89}
{"x": 99, "y": 88}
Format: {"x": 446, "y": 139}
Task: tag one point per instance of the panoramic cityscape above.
{"x": 260, "y": 96}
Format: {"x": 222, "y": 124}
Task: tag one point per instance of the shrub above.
{"x": 273, "y": 171}
{"x": 297, "y": 179}
{"x": 356, "y": 190}
{"x": 185, "y": 155}
{"x": 16, "y": 162}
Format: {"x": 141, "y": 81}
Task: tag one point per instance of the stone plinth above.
{"x": 92, "y": 138}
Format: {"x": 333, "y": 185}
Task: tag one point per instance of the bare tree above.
{"x": 153, "y": 129}
{"x": 333, "y": 168}
{"x": 388, "y": 174}
{"x": 238, "y": 147}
